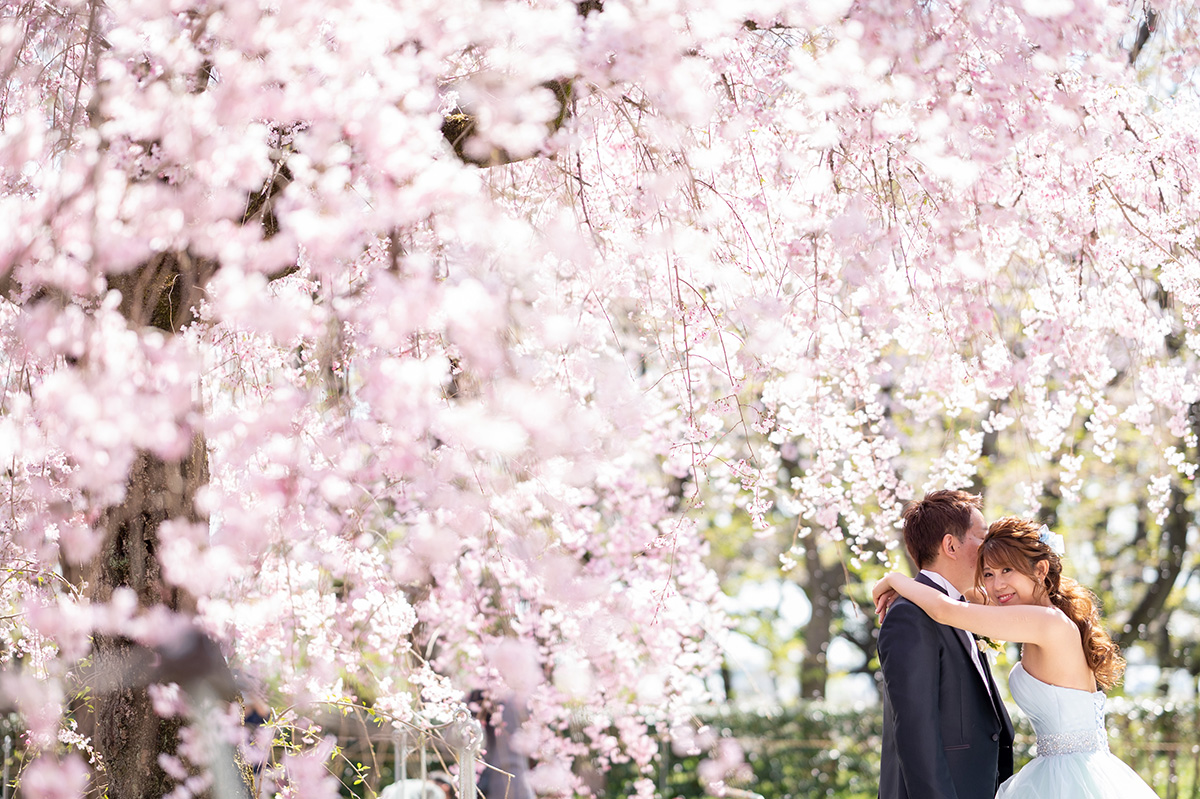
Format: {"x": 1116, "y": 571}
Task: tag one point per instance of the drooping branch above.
{"x": 260, "y": 206}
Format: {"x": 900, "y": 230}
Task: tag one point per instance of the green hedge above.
{"x": 815, "y": 751}
{"x": 812, "y": 750}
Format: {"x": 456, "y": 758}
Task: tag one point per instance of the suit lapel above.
{"x": 967, "y": 641}
{"x": 972, "y": 649}
{"x": 989, "y": 682}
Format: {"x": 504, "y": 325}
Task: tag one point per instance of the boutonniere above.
{"x": 985, "y": 644}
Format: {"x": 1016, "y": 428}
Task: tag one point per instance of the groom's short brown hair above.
{"x": 927, "y": 520}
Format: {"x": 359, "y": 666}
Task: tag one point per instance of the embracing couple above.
{"x": 946, "y": 732}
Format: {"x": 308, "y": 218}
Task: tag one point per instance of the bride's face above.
{"x": 1008, "y": 586}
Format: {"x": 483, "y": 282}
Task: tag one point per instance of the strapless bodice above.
{"x": 1066, "y": 720}
{"x": 1073, "y": 760}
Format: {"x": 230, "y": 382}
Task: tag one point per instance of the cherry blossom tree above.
{"x": 1003, "y": 305}
{"x": 400, "y": 349}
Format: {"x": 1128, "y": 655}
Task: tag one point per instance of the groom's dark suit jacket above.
{"x": 943, "y": 736}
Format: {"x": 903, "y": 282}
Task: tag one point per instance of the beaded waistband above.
{"x": 1070, "y": 743}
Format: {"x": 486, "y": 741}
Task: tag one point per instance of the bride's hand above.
{"x": 884, "y": 595}
{"x": 884, "y": 601}
{"x": 882, "y": 587}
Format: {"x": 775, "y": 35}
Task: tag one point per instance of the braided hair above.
{"x": 1016, "y": 543}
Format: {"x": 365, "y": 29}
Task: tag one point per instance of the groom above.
{"x": 946, "y": 733}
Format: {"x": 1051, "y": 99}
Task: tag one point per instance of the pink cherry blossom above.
{"x": 466, "y": 415}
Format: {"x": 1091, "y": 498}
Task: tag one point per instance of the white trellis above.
{"x": 464, "y": 738}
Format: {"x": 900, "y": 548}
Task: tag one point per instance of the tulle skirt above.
{"x": 1086, "y": 775}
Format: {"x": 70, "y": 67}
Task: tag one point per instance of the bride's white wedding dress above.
{"x": 1073, "y": 760}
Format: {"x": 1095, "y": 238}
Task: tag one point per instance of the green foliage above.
{"x": 809, "y": 751}
{"x": 814, "y": 751}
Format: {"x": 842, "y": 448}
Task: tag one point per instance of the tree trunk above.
{"x": 129, "y": 735}
{"x": 824, "y": 593}
{"x": 1171, "y": 552}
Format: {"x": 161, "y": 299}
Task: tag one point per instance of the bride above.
{"x": 1067, "y": 660}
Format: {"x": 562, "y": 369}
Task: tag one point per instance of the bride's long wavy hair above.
{"x": 1014, "y": 542}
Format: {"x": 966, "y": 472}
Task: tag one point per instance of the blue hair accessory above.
{"x": 1054, "y": 541}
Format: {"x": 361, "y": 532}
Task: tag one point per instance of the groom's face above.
{"x": 971, "y": 541}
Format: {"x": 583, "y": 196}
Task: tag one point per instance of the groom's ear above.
{"x": 950, "y": 545}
